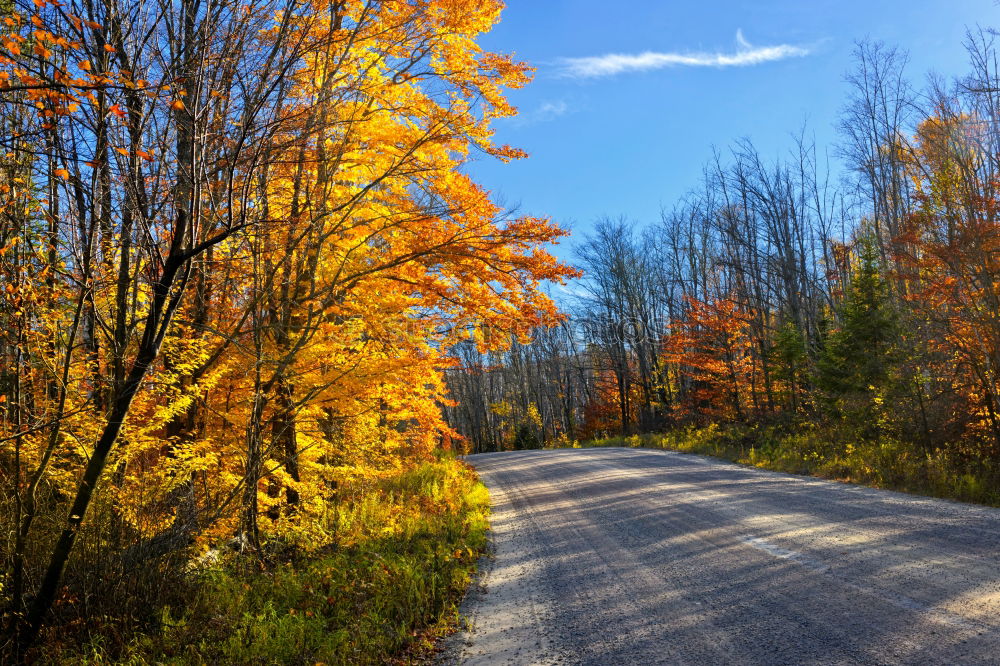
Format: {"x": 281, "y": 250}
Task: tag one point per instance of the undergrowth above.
{"x": 825, "y": 453}
{"x": 406, "y": 549}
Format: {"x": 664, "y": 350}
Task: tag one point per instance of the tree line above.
{"x": 852, "y": 288}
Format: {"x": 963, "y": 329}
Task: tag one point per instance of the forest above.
{"x": 833, "y": 311}
{"x": 254, "y": 308}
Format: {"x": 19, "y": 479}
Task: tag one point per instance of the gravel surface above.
{"x": 632, "y": 556}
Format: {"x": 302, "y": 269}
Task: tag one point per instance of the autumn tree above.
{"x": 711, "y": 345}
{"x": 251, "y": 246}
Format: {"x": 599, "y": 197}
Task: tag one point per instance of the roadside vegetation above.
{"x": 885, "y": 464}
{"x": 405, "y": 548}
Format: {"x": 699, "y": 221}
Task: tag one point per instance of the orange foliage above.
{"x": 314, "y": 350}
{"x": 712, "y": 347}
{"x": 949, "y": 255}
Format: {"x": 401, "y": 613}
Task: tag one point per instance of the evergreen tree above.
{"x": 525, "y": 438}
{"x": 856, "y": 363}
{"x": 791, "y": 362}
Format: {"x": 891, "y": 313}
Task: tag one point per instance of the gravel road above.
{"x": 632, "y": 556}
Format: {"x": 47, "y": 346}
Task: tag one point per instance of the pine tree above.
{"x": 791, "y": 362}
{"x": 856, "y": 363}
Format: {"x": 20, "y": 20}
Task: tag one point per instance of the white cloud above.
{"x": 741, "y": 40}
{"x": 551, "y": 110}
{"x": 544, "y": 113}
{"x": 617, "y": 63}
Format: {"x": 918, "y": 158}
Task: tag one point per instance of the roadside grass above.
{"x": 407, "y": 548}
{"x": 820, "y": 452}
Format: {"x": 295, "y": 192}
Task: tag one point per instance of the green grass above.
{"x": 408, "y": 548}
{"x": 830, "y": 454}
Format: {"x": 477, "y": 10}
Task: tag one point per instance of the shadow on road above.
{"x": 618, "y": 556}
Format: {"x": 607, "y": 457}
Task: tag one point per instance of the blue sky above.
{"x": 625, "y": 136}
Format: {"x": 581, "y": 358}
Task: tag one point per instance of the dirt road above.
{"x": 630, "y": 556}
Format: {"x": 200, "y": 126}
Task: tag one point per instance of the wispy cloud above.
{"x": 551, "y": 110}
{"x": 544, "y": 113}
{"x": 746, "y": 54}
